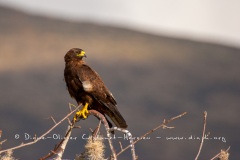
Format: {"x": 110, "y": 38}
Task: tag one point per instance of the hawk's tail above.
{"x": 115, "y": 116}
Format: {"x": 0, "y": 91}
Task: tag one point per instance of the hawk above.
{"x": 87, "y": 88}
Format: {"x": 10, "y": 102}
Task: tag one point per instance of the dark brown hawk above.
{"x": 87, "y": 88}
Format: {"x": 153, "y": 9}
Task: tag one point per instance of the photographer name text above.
{"x": 27, "y": 137}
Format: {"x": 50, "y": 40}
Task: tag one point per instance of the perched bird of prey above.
{"x": 88, "y": 89}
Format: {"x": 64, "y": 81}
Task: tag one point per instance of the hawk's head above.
{"x": 74, "y": 53}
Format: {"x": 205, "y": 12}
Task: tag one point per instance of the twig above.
{"x": 217, "y": 155}
{"x": 120, "y": 144}
{"x": 43, "y": 135}
{"x": 69, "y": 122}
{"x": 203, "y": 134}
{"x": 53, "y": 120}
{"x": 70, "y": 105}
{"x": 95, "y": 132}
{"x": 165, "y": 122}
{"x": 3, "y": 141}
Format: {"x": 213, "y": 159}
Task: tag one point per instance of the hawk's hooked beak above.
{"x": 82, "y": 54}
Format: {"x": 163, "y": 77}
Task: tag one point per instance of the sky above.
{"x": 215, "y": 21}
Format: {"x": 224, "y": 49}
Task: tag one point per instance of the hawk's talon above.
{"x": 83, "y": 113}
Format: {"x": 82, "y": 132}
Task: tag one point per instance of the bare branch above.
{"x": 43, "y": 135}
{"x": 63, "y": 145}
{"x": 104, "y": 121}
{"x": 3, "y": 141}
{"x": 70, "y": 105}
{"x": 60, "y": 148}
{"x": 69, "y": 122}
{"x": 77, "y": 127}
{"x": 53, "y": 119}
{"x": 120, "y": 144}
{"x": 165, "y": 122}
{"x": 95, "y": 132}
{"x": 129, "y": 135}
{"x": 203, "y": 134}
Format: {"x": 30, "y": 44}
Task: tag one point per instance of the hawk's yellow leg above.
{"x": 83, "y": 113}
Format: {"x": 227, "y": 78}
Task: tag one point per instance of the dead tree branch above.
{"x": 129, "y": 135}
{"x": 203, "y": 134}
{"x": 60, "y": 148}
{"x": 163, "y": 125}
{"x": 104, "y": 121}
{"x": 43, "y": 135}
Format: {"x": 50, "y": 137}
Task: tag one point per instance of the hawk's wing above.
{"x": 93, "y": 84}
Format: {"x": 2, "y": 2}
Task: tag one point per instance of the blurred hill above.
{"x": 152, "y": 78}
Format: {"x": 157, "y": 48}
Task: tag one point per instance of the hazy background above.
{"x": 209, "y": 20}
{"x": 133, "y": 46}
